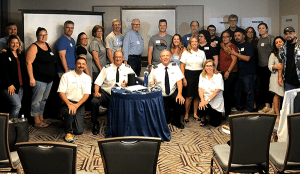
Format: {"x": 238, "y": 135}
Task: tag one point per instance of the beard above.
{"x": 291, "y": 40}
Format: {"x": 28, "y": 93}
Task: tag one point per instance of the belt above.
{"x": 137, "y": 56}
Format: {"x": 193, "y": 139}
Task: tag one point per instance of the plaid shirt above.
{"x": 283, "y": 58}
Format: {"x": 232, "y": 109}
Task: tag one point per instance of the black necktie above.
{"x": 117, "y": 75}
{"x": 167, "y": 84}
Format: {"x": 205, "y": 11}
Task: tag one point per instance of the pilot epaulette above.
{"x": 155, "y": 66}
{"x": 107, "y": 66}
{"x": 127, "y": 65}
{"x": 174, "y": 64}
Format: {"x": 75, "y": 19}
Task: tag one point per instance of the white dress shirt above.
{"x": 194, "y": 60}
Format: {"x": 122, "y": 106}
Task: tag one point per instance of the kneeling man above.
{"x": 74, "y": 89}
{"x": 169, "y": 77}
{"x": 110, "y": 74}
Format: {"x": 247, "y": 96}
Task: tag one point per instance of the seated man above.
{"x": 74, "y": 89}
{"x": 110, "y": 74}
{"x": 169, "y": 77}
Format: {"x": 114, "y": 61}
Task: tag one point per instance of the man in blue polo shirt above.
{"x": 133, "y": 47}
{"x": 247, "y": 71}
{"x": 194, "y": 26}
{"x": 65, "y": 46}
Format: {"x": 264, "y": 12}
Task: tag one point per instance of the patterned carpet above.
{"x": 189, "y": 151}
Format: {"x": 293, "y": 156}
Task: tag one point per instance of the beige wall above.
{"x": 289, "y": 7}
{"x": 212, "y": 8}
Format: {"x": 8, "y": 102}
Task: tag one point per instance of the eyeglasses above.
{"x": 136, "y": 24}
{"x": 211, "y": 30}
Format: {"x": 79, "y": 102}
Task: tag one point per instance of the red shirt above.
{"x": 225, "y": 60}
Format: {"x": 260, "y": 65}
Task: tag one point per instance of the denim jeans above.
{"x": 40, "y": 93}
{"x": 246, "y": 82}
{"x": 74, "y": 122}
{"x": 15, "y": 101}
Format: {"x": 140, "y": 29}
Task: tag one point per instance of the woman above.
{"x": 204, "y": 44}
{"x": 211, "y": 94}
{"x": 13, "y": 74}
{"x": 191, "y": 67}
{"x": 82, "y": 42}
{"x": 264, "y": 48}
{"x": 98, "y": 50}
{"x": 228, "y": 68}
{"x": 274, "y": 66}
{"x": 40, "y": 63}
{"x": 177, "y": 49}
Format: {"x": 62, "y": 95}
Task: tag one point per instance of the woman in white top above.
{"x": 211, "y": 86}
{"x": 191, "y": 67}
{"x": 177, "y": 49}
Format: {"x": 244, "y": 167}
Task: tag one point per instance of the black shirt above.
{"x": 290, "y": 69}
{"x": 209, "y": 51}
{"x": 218, "y": 41}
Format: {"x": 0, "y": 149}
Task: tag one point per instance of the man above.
{"x": 133, "y": 47}
{"x": 108, "y": 77}
{"x": 114, "y": 40}
{"x": 74, "y": 89}
{"x": 233, "y": 20}
{"x": 66, "y": 49}
{"x": 194, "y": 26}
{"x": 289, "y": 55}
{"x": 11, "y": 29}
{"x": 171, "y": 85}
{"x": 246, "y": 71}
{"x": 215, "y": 40}
{"x": 159, "y": 42}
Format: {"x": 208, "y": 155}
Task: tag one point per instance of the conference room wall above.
{"x": 212, "y": 9}
{"x": 290, "y": 7}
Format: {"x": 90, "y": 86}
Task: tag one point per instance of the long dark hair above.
{"x": 78, "y": 38}
{"x": 276, "y": 50}
{"x": 254, "y": 34}
{"x": 181, "y": 47}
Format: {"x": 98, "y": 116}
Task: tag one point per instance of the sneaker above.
{"x": 234, "y": 109}
{"x": 272, "y": 111}
{"x": 69, "y": 138}
{"x": 246, "y": 111}
{"x": 264, "y": 110}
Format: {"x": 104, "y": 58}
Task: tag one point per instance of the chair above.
{"x": 48, "y": 157}
{"x": 248, "y": 152}
{"x": 7, "y": 159}
{"x": 286, "y": 155}
{"x": 129, "y": 155}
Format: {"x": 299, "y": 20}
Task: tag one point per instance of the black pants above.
{"x": 214, "y": 115}
{"x": 264, "y": 75}
{"x": 173, "y": 109}
{"x": 96, "y": 102}
{"x": 74, "y": 122}
{"x": 135, "y": 62}
{"x": 228, "y": 92}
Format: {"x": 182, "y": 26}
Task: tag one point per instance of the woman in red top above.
{"x": 228, "y": 67}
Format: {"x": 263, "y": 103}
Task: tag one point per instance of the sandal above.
{"x": 203, "y": 123}
{"x": 47, "y": 121}
{"x": 197, "y": 119}
{"x": 41, "y": 125}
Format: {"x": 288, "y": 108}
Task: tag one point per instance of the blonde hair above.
{"x": 115, "y": 20}
{"x": 11, "y": 37}
{"x": 203, "y": 74}
{"x": 189, "y": 47}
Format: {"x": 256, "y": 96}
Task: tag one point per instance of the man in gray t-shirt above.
{"x": 159, "y": 42}
{"x": 114, "y": 41}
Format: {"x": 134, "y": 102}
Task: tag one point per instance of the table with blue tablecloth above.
{"x": 137, "y": 114}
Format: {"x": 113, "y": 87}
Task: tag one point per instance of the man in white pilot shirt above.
{"x": 169, "y": 73}
{"x": 110, "y": 74}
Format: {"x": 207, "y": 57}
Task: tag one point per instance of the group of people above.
{"x": 215, "y": 74}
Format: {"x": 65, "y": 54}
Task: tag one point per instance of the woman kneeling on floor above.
{"x": 211, "y": 88}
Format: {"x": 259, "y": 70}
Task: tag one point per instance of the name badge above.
{"x": 206, "y": 48}
{"x": 51, "y": 54}
{"x": 242, "y": 49}
{"x": 188, "y": 38}
{"x": 262, "y": 44}
{"x": 138, "y": 42}
{"x": 9, "y": 59}
{"x": 216, "y": 41}
{"x": 157, "y": 41}
{"x": 71, "y": 44}
{"x": 298, "y": 52}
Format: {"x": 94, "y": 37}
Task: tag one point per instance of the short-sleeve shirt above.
{"x": 157, "y": 76}
{"x": 63, "y": 43}
{"x": 114, "y": 42}
{"x": 246, "y": 68}
{"x": 75, "y": 86}
{"x": 225, "y": 59}
{"x": 209, "y": 51}
{"x": 194, "y": 60}
{"x": 97, "y": 46}
{"x": 209, "y": 86}
{"x": 159, "y": 43}
{"x": 264, "y": 47}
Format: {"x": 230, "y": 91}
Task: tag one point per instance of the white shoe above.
{"x": 264, "y": 110}
{"x": 234, "y": 109}
{"x": 272, "y": 111}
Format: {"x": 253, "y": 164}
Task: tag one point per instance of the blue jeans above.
{"x": 288, "y": 87}
{"x": 246, "y": 82}
{"x": 40, "y": 93}
{"x": 15, "y": 101}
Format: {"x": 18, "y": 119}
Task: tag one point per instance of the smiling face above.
{"x": 116, "y": 26}
{"x": 80, "y": 65}
{"x": 250, "y": 33}
{"x": 68, "y": 30}
{"x": 165, "y": 57}
{"x": 262, "y": 30}
{"x": 83, "y": 40}
{"x": 239, "y": 37}
{"x": 202, "y": 38}
{"x": 278, "y": 43}
{"x": 212, "y": 31}
{"x": 135, "y": 25}
{"x": 42, "y": 36}
{"x": 209, "y": 68}
{"x": 14, "y": 45}
{"x": 226, "y": 38}
{"x": 162, "y": 27}
{"x": 98, "y": 33}
{"x": 176, "y": 40}
{"x": 118, "y": 58}
{"x": 194, "y": 43}
{"x": 289, "y": 36}
{"x": 11, "y": 30}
